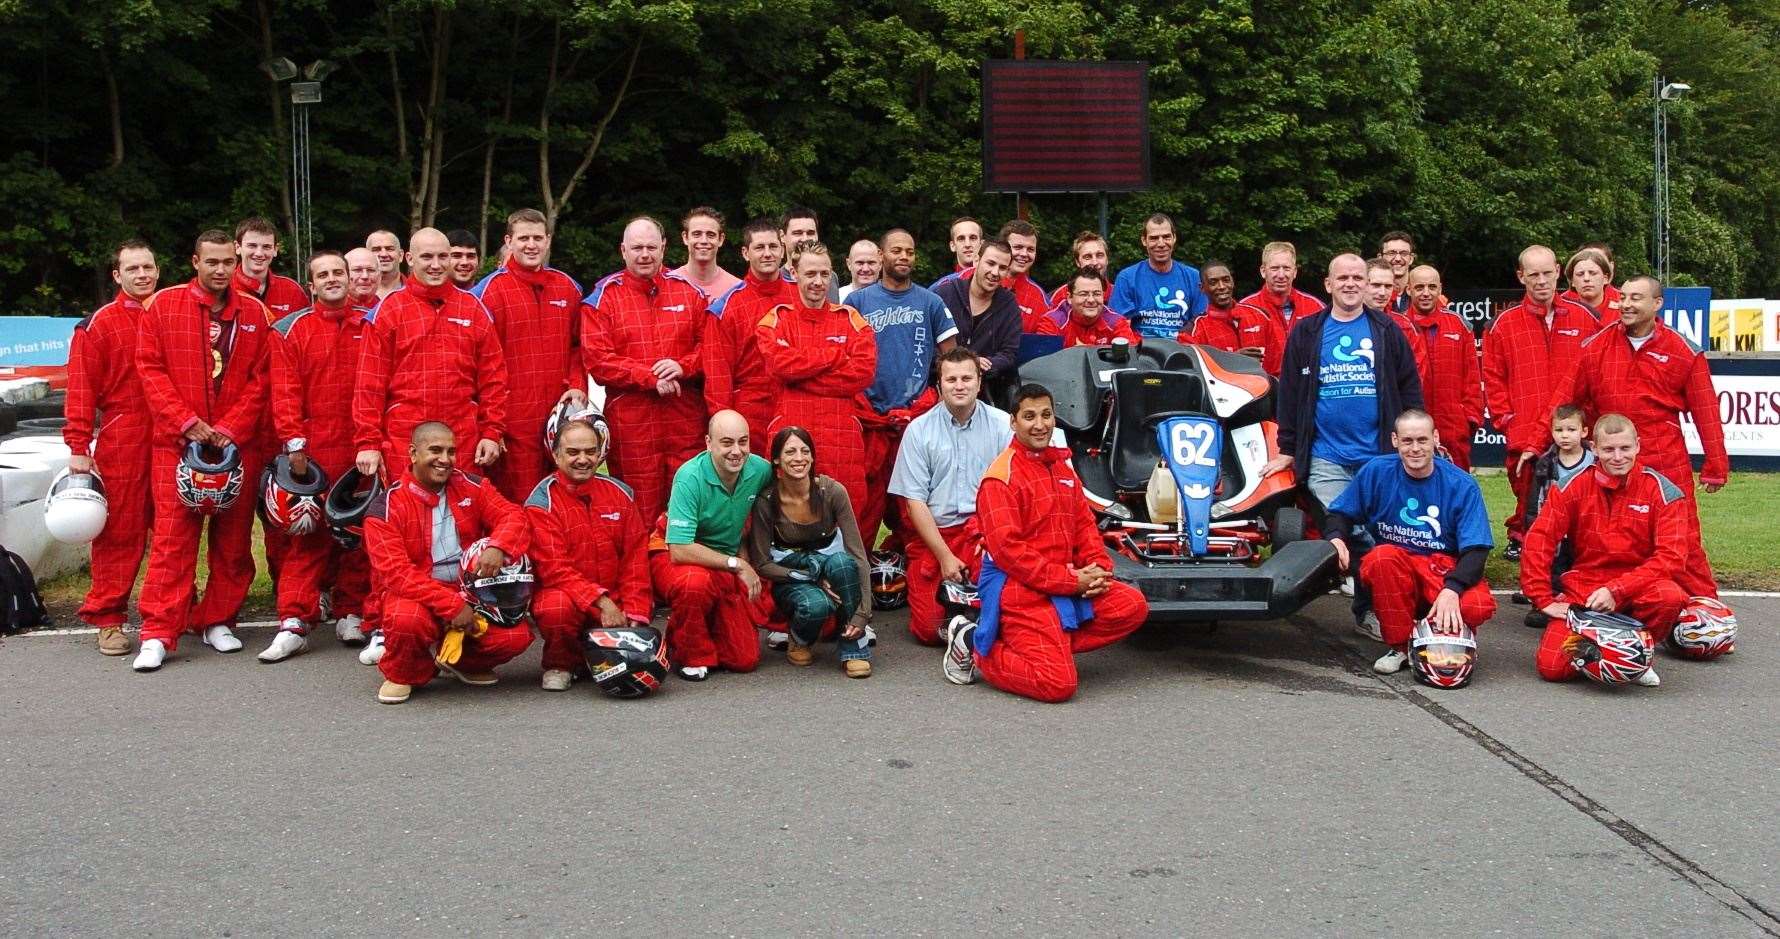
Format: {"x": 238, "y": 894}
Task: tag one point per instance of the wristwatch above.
{"x": 296, "y": 445}
{"x": 733, "y": 562}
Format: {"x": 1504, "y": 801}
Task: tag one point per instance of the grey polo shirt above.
{"x": 941, "y": 461}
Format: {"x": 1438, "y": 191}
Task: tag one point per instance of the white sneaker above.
{"x": 372, "y": 653}
{"x": 959, "y": 663}
{"x": 871, "y": 637}
{"x": 1368, "y": 626}
{"x": 1649, "y": 678}
{"x": 350, "y": 630}
{"x": 556, "y": 679}
{"x": 1347, "y": 586}
{"x": 222, "y": 639}
{"x": 701, "y": 672}
{"x": 1390, "y": 663}
{"x": 779, "y": 642}
{"x": 153, "y": 653}
{"x": 287, "y": 642}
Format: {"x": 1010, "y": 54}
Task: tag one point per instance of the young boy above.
{"x": 1568, "y": 455}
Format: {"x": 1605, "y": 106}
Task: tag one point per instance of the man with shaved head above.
{"x": 431, "y": 354}
{"x": 387, "y": 248}
{"x": 1451, "y": 384}
{"x": 642, "y": 337}
{"x": 1532, "y": 348}
{"x": 707, "y": 581}
{"x": 416, "y": 533}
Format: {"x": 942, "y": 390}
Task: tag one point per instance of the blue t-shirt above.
{"x": 1442, "y": 514}
{"x": 1159, "y": 306}
{"x": 1347, "y": 394}
{"x": 909, "y": 325}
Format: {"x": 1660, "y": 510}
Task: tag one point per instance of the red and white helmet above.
{"x": 1707, "y": 629}
{"x": 504, "y": 597}
{"x": 75, "y": 509}
{"x": 1442, "y": 660}
{"x": 208, "y": 479}
{"x": 568, "y": 413}
{"x": 1610, "y": 648}
{"x": 290, "y": 503}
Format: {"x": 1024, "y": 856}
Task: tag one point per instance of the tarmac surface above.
{"x": 1237, "y": 780}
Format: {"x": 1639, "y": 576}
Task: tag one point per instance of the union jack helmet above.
{"x": 1707, "y": 629}
{"x": 1610, "y": 648}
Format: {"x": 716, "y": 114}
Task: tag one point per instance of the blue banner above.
{"x": 35, "y": 340}
{"x": 1688, "y": 311}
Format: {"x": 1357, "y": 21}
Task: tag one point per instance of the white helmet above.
{"x": 75, "y": 509}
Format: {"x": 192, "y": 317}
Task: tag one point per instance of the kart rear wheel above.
{"x": 1288, "y": 526}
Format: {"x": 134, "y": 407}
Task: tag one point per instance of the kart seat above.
{"x": 1141, "y": 393}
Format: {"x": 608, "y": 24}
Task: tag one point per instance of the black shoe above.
{"x": 1512, "y": 552}
{"x": 1536, "y": 619}
{"x": 1521, "y": 599}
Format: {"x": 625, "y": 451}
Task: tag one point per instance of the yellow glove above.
{"x": 451, "y": 645}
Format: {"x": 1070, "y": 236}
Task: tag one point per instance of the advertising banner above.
{"x": 35, "y": 340}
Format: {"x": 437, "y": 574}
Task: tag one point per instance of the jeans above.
{"x": 1327, "y": 481}
{"x": 807, "y": 607}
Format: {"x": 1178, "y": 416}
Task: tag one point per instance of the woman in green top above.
{"x": 805, "y": 542}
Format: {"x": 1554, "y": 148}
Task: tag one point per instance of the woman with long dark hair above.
{"x": 805, "y": 542}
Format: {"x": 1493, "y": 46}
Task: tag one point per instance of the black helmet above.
{"x": 503, "y": 598}
{"x": 348, "y": 500}
{"x": 627, "y": 661}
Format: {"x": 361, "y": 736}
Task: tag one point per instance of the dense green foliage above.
{"x": 1479, "y": 125}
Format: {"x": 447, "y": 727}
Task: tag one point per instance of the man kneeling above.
{"x": 1629, "y": 533}
{"x": 1047, "y": 587}
{"x": 591, "y": 547}
{"x": 1431, "y": 537}
{"x": 415, "y": 534}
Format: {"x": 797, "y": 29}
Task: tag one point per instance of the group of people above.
{"x": 467, "y": 396}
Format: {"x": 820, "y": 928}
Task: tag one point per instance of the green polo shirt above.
{"x": 701, "y": 511}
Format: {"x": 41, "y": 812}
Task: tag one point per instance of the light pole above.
{"x": 1666, "y": 91}
{"x": 303, "y": 94}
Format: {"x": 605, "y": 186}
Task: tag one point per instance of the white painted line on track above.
{"x": 1757, "y": 594}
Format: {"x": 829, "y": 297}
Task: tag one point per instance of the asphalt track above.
{"x": 1247, "y": 780}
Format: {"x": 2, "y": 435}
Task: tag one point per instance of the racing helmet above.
{"x": 208, "y": 479}
{"x": 75, "y": 510}
{"x": 959, "y": 598}
{"x": 1707, "y": 629}
{"x": 502, "y": 598}
{"x": 348, "y": 500}
{"x": 291, "y": 503}
{"x": 1442, "y": 660}
{"x": 567, "y": 413}
{"x": 1610, "y": 648}
{"x": 889, "y": 580}
{"x": 627, "y": 661}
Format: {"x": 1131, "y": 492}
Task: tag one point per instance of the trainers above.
{"x": 777, "y": 641}
{"x": 1368, "y": 626}
{"x": 556, "y": 679}
{"x": 1347, "y": 586}
{"x": 372, "y": 653}
{"x": 479, "y": 679}
{"x": 153, "y": 653}
{"x": 1390, "y": 663}
{"x": 960, "y": 663}
{"x": 857, "y": 668}
{"x": 394, "y": 692}
{"x": 694, "y": 672}
{"x": 350, "y": 630}
{"x": 1536, "y": 619}
{"x": 871, "y": 638}
{"x": 1520, "y": 599}
{"x": 1649, "y": 679}
{"x": 113, "y": 641}
{"x": 799, "y": 655}
{"x": 1512, "y": 552}
{"x": 287, "y": 642}
{"x": 221, "y": 638}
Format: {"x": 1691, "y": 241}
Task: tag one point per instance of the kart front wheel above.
{"x": 1288, "y": 526}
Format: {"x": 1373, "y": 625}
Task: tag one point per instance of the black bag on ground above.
{"x": 21, "y": 606}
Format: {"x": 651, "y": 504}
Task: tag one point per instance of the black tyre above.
{"x": 1288, "y": 526}
{"x": 42, "y": 426}
{"x": 42, "y": 407}
{"x": 9, "y": 419}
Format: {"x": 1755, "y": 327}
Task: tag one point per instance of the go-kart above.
{"x": 1169, "y": 441}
